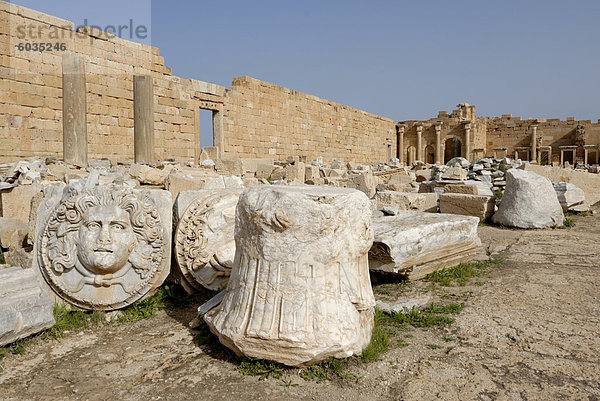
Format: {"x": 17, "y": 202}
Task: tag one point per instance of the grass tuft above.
{"x": 260, "y": 367}
{"x": 569, "y": 222}
{"x": 460, "y": 274}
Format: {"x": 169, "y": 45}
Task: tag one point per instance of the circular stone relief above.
{"x": 103, "y": 248}
{"x": 204, "y": 243}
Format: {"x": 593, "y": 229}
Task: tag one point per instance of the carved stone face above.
{"x": 106, "y": 239}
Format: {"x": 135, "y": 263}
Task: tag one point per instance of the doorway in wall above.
{"x": 206, "y": 128}
{"x": 452, "y": 149}
{"x": 429, "y": 154}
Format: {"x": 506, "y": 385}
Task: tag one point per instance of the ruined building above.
{"x": 462, "y": 133}
{"x": 98, "y": 78}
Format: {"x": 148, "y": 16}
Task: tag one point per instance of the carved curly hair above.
{"x": 63, "y": 226}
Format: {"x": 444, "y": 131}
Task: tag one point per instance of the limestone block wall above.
{"x": 268, "y": 121}
{"x": 511, "y": 132}
{"x": 31, "y": 91}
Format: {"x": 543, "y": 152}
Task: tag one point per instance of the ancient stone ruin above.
{"x": 298, "y": 199}
{"x": 300, "y": 290}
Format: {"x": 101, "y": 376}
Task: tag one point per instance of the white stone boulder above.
{"x": 569, "y": 195}
{"x": 529, "y": 201}
{"x": 299, "y": 291}
{"x": 414, "y": 244}
{"x": 204, "y": 243}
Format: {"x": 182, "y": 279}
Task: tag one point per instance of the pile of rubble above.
{"x": 274, "y": 234}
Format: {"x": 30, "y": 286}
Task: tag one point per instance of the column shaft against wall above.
{"x": 438, "y": 144}
{"x": 401, "y": 145}
{"x": 420, "y": 143}
{"x": 143, "y": 119}
{"x": 468, "y": 141}
{"x": 533, "y": 143}
{"x": 74, "y": 110}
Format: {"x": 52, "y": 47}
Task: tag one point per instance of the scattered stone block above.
{"x": 26, "y": 307}
{"x": 588, "y": 182}
{"x": 300, "y": 292}
{"x": 568, "y": 195}
{"x": 455, "y": 173}
{"x": 295, "y": 172}
{"x": 149, "y": 175}
{"x": 311, "y": 173}
{"x": 363, "y": 182}
{"x": 204, "y": 244}
{"x": 16, "y": 202}
{"x": 529, "y": 201}
{"x": 461, "y": 189}
{"x": 264, "y": 170}
{"x": 414, "y": 244}
{"x": 423, "y": 202}
{"x": 479, "y": 206}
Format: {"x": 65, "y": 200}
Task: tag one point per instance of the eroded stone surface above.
{"x": 25, "y": 306}
{"x": 204, "y": 243}
{"x": 104, "y": 247}
{"x": 569, "y": 195}
{"x": 529, "y": 201}
{"x": 415, "y": 244}
{"x": 300, "y": 291}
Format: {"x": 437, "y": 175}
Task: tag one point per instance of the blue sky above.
{"x": 399, "y": 59}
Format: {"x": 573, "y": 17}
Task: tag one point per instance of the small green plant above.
{"x": 434, "y": 346}
{"x": 379, "y": 339}
{"x": 328, "y": 370}
{"x": 288, "y": 383}
{"x": 499, "y": 193}
{"x": 260, "y": 367}
{"x": 69, "y": 320}
{"x": 443, "y": 309}
{"x": 569, "y": 222}
{"x": 18, "y": 347}
{"x": 460, "y": 274}
{"x": 145, "y": 308}
{"x": 449, "y": 339}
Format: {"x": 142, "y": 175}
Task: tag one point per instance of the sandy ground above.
{"x": 529, "y": 330}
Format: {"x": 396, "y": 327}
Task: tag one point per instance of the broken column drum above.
{"x": 299, "y": 291}
{"x": 104, "y": 248}
{"x": 204, "y": 243}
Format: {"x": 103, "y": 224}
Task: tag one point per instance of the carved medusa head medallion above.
{"x": 103, "y": 248}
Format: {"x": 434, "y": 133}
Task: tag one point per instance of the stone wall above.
{"x": 31, "y": 91}
{"x": 268, "y": 121}
{"x": 258, "y": 120}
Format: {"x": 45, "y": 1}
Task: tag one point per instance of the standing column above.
{"x": 401, "y": 152}
{"x": 419, "y": 143}
{"x": 74, "y": 110}
{"x": 468, "y": 140}
{"x": 143, "y": 119}
{"x": 534, "y": 143}
{"x": 438, "y": 144}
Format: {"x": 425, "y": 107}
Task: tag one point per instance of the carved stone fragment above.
{"x": 104, "y": 247}
{"x": 299, "y": 291}
{"x": 414, "y": 244}
{"x": 204, "y": 243}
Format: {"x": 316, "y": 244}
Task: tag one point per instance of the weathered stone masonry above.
{"x": 251, "y": 119}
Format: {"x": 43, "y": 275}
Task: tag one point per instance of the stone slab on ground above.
{"x": 414, "y": 244}
{"x": 569, "y": 195}
{"x": 479, "y": 206}
{"x": 26, "y": 307}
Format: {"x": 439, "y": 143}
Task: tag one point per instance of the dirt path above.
{"x": 529, "y": 330}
